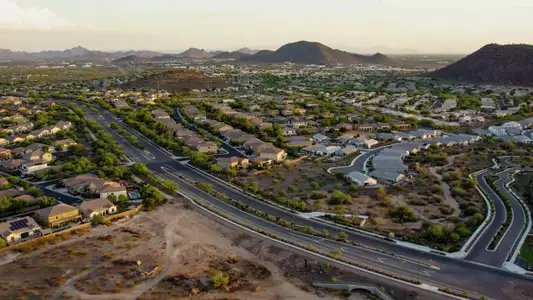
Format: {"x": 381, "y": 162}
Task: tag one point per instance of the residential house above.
{"x": 361, "y": 179}
{"x": 402, "y": 126}
{"x": 97, "y": 207}
{"x": 206, "y": 147}
{"x": 366, "y": 128}
{"x": 346, "y": 151}
{"x": 289, "y": 131}
{"x": 273, "y": 153}
{"x": 40, "y": 133}
{"x": 298, "y": 142}
{"x": 20, "y": 228}
{"x": 232, "y": 162}
{"x": 320, "y": 138}
{"x": 64, "y": 125}
{"x": 317, "y": 149}
{"x": 4, "y": 141}
{"x": 15, "y": 139}
{"x": 64, "y": 144}
{"x": 53, "y": 129}
{"x": 383, "y": 126}
{"x": 344, "y": 127}
{"x": 345, "y": 138}
{"x": 58, "y": 215}
{"x": 89, "y": 183}
{"x": 33, "y": 166}
{"x": 38, "y": 155}
{"x": 12, "y": 165}
{"x": 160, "y": 114}
{"x": 5, "y": 154}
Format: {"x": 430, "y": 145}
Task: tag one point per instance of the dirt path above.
{"x": 138, "y": 290}
{"x": 448, "y": 198}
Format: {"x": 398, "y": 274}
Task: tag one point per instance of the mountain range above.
{"x": 301, "y": 52}
{"x": 495, "y": 64}
{"x": 78, "y": 54}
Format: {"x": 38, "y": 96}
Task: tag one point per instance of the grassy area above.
{"x": 526, "y": 252}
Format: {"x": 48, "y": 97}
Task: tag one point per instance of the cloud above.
{"x": 14, "y": 16}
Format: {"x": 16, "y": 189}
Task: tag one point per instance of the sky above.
{"x": 365, "y": 26}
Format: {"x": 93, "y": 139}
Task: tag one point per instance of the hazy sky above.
{"x": 427, "y": 26}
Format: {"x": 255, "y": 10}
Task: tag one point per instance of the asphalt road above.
{"x": 479, "y": 252}
{"x": 359, "y": 164}
{"x": 492, "y": 282}
{"x": 507, "y": 244}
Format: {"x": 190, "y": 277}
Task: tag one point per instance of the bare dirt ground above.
{"x": 172, "y": 253}
{"x": 448, "y": 198}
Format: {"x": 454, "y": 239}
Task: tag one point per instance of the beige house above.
{"x": 18, "y": 229}
{"x": 58, "y": 215}
{"x": 38, "y": 155}
{"x": 98, "y": 207}
{"x": 273, "y": 153}
{"x": 232, "y": 162}
{"x": 5, "y": 154}
{"x": 64, "y": 144}
{"x": 89, "y": 183}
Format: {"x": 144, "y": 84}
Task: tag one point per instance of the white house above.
{"x": 361, "y": 179}
{"x": 33, "y": 166}
{"x": 17, "y": 229}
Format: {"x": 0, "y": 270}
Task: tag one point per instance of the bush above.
{"x": 338, "y": 197}
{"x": 403, "y": 214}
{"x": 219, "y": 280}
{"x": 343, "y": 235}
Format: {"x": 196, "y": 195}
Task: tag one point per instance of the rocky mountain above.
{"x": 75, "y": 54}
{"x": 497, "y": 64}
{"x": 246, "y": 50}
{"x": 195, "y": 53}
{"x": 305, "y": 52}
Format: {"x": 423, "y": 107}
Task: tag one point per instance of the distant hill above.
{"x": 74, "y": 54}
{"x": 177, "y": 80}
{"x": 246, "y": 50}
{"x": 497, "y": 64}
{"x": 304, "y": 52}
{"x": 195, "y": 53}
{"x": 232, "y": 55}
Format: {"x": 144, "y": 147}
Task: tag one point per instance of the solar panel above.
{"x": 15, "y": 225}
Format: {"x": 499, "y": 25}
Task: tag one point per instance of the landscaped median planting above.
{"x": 509, "y": 214}
{"x": 463, "y": 294}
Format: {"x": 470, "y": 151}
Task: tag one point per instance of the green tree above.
{"x": 403, "y": 214}
{"x": 111, "y": 197}
{"x": 122, "y": 200}
{"x": 435, "y": 232}
{"x": 343, "y": 235}
{"x": 338, "y": 197}
{"x": 324, "y": 233}
{"x": 35, "y": 191}
{"x": 318, "y": 204}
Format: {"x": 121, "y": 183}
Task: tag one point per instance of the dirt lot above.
{"x": 173, "y": 253}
